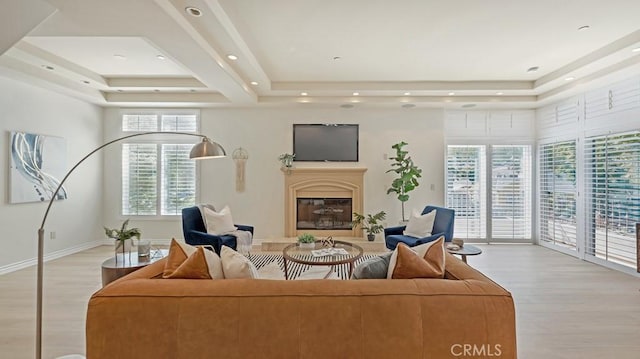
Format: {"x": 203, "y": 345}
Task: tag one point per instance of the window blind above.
{"x": 139, "y": 179}
{"x": 178, "y": 179}
{"x": 557, "y": 193}
{"x": 466, "y": 190}
{"x": 511, "y": 192}
{"x": 612, "y": 173}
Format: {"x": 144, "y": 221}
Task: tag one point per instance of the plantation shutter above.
{"x": 612, "y": 174}
{"x": 557, "y": 193}
{"x": 511, "y": 192}
{"x": 466, "y": 190}
{"x": 139, "y": 179}
{"x": 178, "y": 178}
{"x": 139, "y": 123}
{"x": 179, "y": 123}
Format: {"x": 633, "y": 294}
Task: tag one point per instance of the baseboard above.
{"x": 51, "y": 256}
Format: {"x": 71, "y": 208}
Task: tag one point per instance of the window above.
{"x": 489, "y": 187}
{"x": 158, "y": 178}
{"x": 612, "y": 166}
{"x": 557, "y": 188}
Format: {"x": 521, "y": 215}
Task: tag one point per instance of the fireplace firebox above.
{"x": 323, "y": 213}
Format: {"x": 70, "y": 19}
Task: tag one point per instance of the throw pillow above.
{"x": 219, "y": 223}
{"x": 189, "y": 262}
{"x": 423, "y": 261}
{"x": 235, "y": 265}
{"x": 373, "y": 268}
{"x": 420, "y": 225}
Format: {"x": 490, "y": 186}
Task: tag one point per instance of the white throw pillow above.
{"x": 235, "y": 265}
{"x": 219, "y": 223}
{"x": 420, "y": 226}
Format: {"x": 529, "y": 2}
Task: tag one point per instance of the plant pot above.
{"x": 122, "y": 248}
{"x": 371, "y": 237}
{"x": 307, "y": 245}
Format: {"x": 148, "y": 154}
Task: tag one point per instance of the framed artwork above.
{"x": 37, "y": 166}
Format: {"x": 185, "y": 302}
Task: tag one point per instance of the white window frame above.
{"x": 157, "y": 140}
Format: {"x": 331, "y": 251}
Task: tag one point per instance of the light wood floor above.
{"x": 566, "y": 308}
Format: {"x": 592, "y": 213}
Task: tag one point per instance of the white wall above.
{"x": 76, "y": 220}
{"x": 265, "y": 134}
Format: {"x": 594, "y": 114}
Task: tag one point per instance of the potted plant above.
{"x": 307, "y": 240}
{"x": 407, "y": 172}
{"x": 287, "y": 159}
{"x": 370, "y": 223}
{"x": 122, "y": 237}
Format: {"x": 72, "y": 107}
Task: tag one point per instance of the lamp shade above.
{"x": 207, "y": 149}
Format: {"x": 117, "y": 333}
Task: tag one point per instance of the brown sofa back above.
{"x": 139, "y": 317}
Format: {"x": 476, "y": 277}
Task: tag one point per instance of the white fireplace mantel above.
{"x": 322, "y": 182}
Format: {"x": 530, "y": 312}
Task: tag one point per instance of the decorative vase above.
{"x": 371, "y": 237}
{"x": 122, "y": 247}
{"x": 307, "y": 245}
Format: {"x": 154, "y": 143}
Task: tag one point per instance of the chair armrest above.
{"x": 244, "y": 227}
{"x": 394, "y": 230}
{"x": 430, "y": 238}
{"x": 201, "y": 238}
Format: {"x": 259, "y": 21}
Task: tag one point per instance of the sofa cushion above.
{"x": 373, "y": 268}
{"x": 219, "y": 223}
{"x": 236, "y": 265}
{"x": 189, "y": 262}
{"x": 420, "y": 225}
{"x": 423, "y": 261}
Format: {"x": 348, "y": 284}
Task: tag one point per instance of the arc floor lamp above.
{"x": 202, "y": 150}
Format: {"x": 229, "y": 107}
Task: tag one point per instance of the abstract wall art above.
{"x": 37, "y": 166}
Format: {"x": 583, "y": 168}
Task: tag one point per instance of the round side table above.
{"x": 113, "y": 269}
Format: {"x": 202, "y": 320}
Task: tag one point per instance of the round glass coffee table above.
{"x": 348, "y": 254}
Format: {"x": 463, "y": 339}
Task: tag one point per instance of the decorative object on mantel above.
{"x": 328, "y": 242}
{"x": 307, "y": 240}
{"x": 123, "y": 238}
{"x": 370, "y": 223}
{"x": 287, "y": 160}
{"x": 407, "y": 172}
{"x": 240, "y": 157}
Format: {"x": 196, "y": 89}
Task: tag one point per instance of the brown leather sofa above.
{"x": 464, "y": 316}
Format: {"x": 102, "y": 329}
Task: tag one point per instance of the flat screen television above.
{"x": 325, "y": 142}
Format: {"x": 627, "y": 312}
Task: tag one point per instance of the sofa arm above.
{"x": 244, "y": 227}
{"x": 394, "y": 230}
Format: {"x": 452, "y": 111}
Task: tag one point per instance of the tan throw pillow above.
{"x": 423, "y": 261}
{"x": 420, "y": 225}
{"x": 189, "y": 262}
{"x": 219, "y": 223}
{"x": 235, "y": 265}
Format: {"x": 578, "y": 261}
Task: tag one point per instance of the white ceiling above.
{"x": 429, "y": 53}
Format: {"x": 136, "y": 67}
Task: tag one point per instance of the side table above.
{"x": 128, "y": 263}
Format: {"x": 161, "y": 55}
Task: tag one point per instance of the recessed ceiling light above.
{"x": 584, "y": 27}
{"x": 336, "y": 58}
{"x": 232, "y": 57}
{"x": 119, "y": 57}
{"x": 637, "y": 49}
{"x": 303, "y": 94}
{"x": 156, "y": 90}
{"x": 533, "y": 69}
{"x": 48, "y": 67}
{"x": 499, "y": 93}
{"x": 193, "y": 11}
{"x": 407, "y": 93}
{"x": 451, "y": 93}
{"x": 570, "y": 78}
{"x": 356, "y": 94}
{"x": 192, "y": 90}
{"x": 347, "y": 105}
{"x": 86, "y": 82}
{"x": 254, "y": 83}
{"x": 408, "y": 105}
{"x": 119, "y": 90}
{"x": 161, "y": 57}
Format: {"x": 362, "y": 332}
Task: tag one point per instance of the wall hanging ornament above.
{"x": 240, "y": 157}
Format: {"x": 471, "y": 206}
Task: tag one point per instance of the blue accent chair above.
{"x": 195, "y": 233}
{"x": 442, "y": 226}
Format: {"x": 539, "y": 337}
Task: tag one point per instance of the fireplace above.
{"x": 321, "y": 201}
{"x": 323, "y": 213}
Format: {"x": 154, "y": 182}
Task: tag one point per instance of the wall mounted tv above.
{"x": 325, "y": 142}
